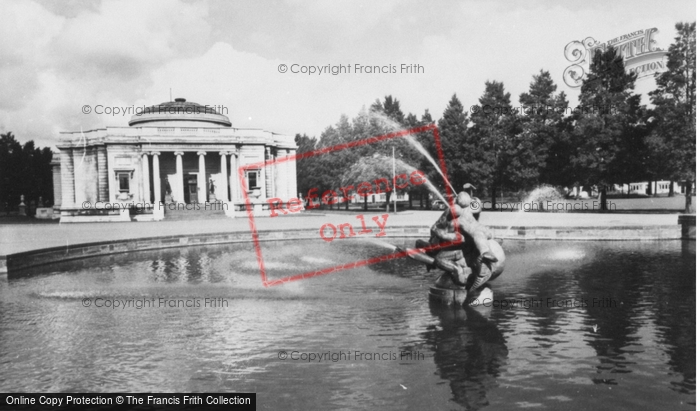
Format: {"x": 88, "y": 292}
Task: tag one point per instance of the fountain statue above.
{"x": 466, "y": 265}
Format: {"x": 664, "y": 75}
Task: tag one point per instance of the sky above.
{"x": 58, "y": 56}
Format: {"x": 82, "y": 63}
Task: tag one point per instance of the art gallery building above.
{"x": 177, "y": 155}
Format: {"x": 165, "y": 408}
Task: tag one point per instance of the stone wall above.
{"x": 20, "y": 261}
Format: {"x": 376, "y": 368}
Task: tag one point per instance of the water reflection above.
{"x": 638, "y": 352}
{"x": 652, "y": 303}
{"x": 625, "y": 333}
{"x": 470, "y": 351}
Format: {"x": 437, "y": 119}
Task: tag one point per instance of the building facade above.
{"x": 172, "y": 154}
{"x": 651, "y": 188}
{"x": 644, "y": 188}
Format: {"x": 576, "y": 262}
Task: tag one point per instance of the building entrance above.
{"x": 191, "y": 189}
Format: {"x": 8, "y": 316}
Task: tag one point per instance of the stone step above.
{"x": 202, "y": 211}
{"x": 194, "y": 216}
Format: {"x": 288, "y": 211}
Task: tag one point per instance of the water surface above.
{"x": 588, "y": 325}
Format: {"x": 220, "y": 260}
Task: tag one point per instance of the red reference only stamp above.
{"x": 329, "y": 232}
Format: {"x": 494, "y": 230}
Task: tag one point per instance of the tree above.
{"x": 498, "y": 153}
{"x": 674, "y": 115}
{"x": 37, "y": 174}
{"x": 605, "y": 119}
{"x": 306, "y": 167}
{"x": 376, "y": 174}
{"x": 24, "y": 170}
{"x": 342, "y": 159}
{"x": 391, "y": 107}
{"x": 326, "y": 172}
{"x": 331, "y": 166}
{"x": 10, "y": 170}
{"x": 632, "y": 162}
{"x": 415, "y": 157}
{"x": 544, "y": 132}
{"x": 453, "y": 133}
{"x": 388, "y": 117}
{"x": 427, "y": 140}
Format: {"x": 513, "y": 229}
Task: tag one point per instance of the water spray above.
{"x": 398, "y": 127}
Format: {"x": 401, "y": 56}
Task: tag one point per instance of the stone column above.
{"x": 67, "y": 179}
{"x": 202, "y": 186}
{"x": 291, "y": 177}
{"x": 283, "y": 191}
{"x": 279, "y": 174}
{"x": 179, "y": 197}
{"x": 56, "y": 174}
{"x": 102, "y": 174}
{"x": 224, "y": 172}
{"x": 156, "y": 178}
{"x": 239, "y": 188}
{"x": 146, "y": 179}
{"x": 93, "y": 190}
{"x": 79, "y": 175}
{"x": 234, "y": 181}
{"x": 273, "y": 171}
{"x": 262, "y": 176}
{"x": 268, "y": 174}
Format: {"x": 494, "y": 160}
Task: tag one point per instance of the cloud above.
{"x": 26, "y": 30}
{"x": 251, "y": 88}
{"x": 54, "y": 64}
{"x": 57, "y": 57}
{"x": 126, "y": 40}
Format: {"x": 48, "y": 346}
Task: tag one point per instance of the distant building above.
{"x": 377, "y": 198}
{"x": 662, "y": 187}
{"x": 650, "y": 188}
{"x": 173, "y": 153}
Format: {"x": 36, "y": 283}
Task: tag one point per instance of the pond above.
{"x": 575, "y": 325}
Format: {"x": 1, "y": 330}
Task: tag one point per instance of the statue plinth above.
{"x": 446, "y": 292}
{"x": 448, "y": 296}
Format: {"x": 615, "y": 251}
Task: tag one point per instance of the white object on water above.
{"x": 484, "y": 297}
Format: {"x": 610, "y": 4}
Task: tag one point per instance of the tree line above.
{"x": 609, "y": 138}
{"x": 24, "y": 170}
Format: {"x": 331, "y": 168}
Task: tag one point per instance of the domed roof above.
{"x": 181, "y": 111}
